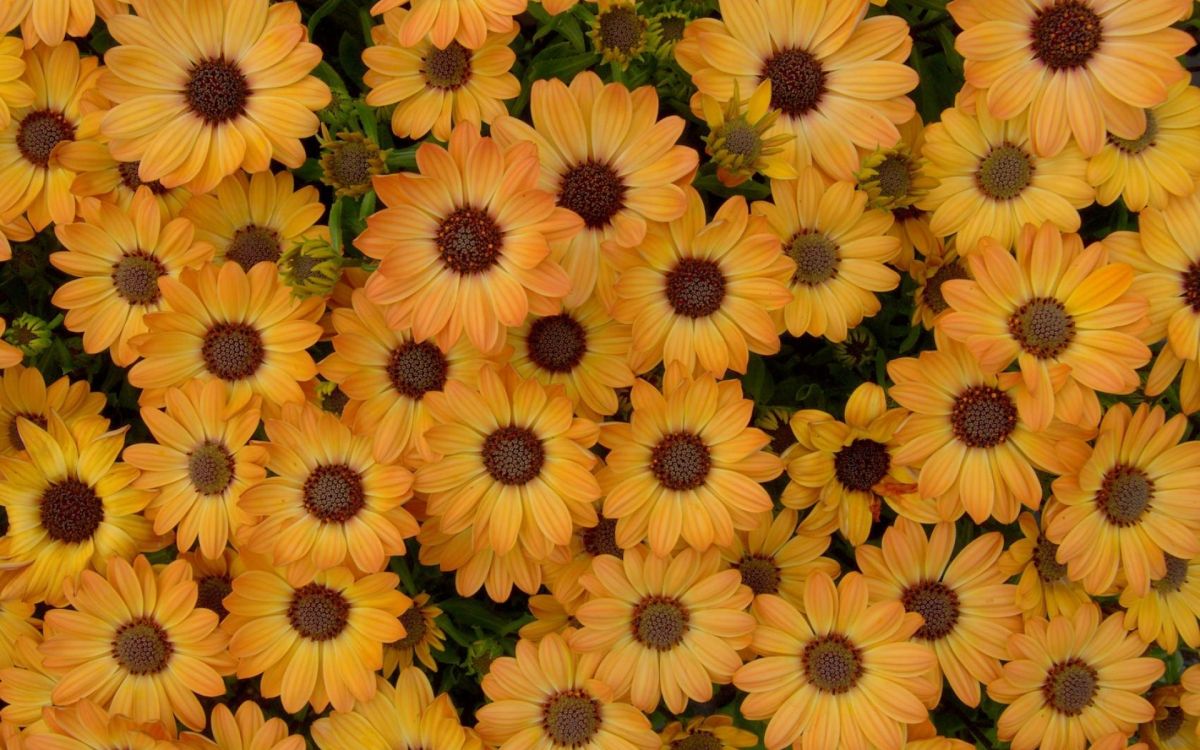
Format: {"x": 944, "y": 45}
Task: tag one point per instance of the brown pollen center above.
{"x": 832, "y": 663}
{"x": 416, "y": 368}
{"x": 816, "y": 257}
{"x": 71, "y": 511}
{"x": 252, "y": 245}
{"x": 142, "y": 647}
{"x": 211, "y": 593}
{"x": 513, "y": 455}
{"x": 1124, "y": 495}
{"x": 681, "y": 461}
{"x": 318, "y": 613}
{"x": 937, "y": 603}
{"x": 556, "y": 343}
{"x": 1045, "y": 561}
{"x": 983, "y": 416}
{"x": 39, "y": 132}
{"x": 447, "y": 69}
{"x": 469, "y": 241}
{"x": 660, "y": 622}
{"x": 931, "y": 295}
{"x": 862, "y": 464}
{"x": 216, "y": 90}
{"x": 620, "y": 29}
{"x": 232, "y": 351}
{"x": 760, "y": 573}
{"x": 594, "y": 191}
{"x": 571, "y": 718}
{"x": 333, "y": 493}
{"x": 1043, "y": 327}
{"x": 797, "y": 81}
{"x": 1070, "y": 687}
{"x": 128, "y": 171}
{"x": 1066, "y": 34}
{"x": 1005, "y": 172}
{"x": 135, "y": 277}
{"x": 601, "y": 539}
{"x": 210, "y": 468}
{"x": 14, "y": 433}
{"x": 695, "y": 287}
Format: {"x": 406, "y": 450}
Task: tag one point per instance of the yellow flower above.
{"x": 838, "y": 78}
{"x": 349, "y": 162}
{"x": 700, "y": 295}
{"x": 406, "y": 716}
{"x": 1063, "y": 313}
{"x": 33, "y": 179}
{"x": 839, "y": 247}
{"x": 1068, "y": 68}
{"x": 550, "y": 617}
{"x": 26, "y": 685}
{"x": 992, "y": 183}
{"x": 715, "y": 732}
{"x": 896, "y": 180}
{"x": 119, "y": 256}
{"x": 1171, "y": 728}
{"x": 99, "y": 175}
{"x": 24, "y": 394}
{"x": 86, "y": 726}
{"x": 437, "y": 87}
{"x": 317, "y": 640}
{"x": 617, "y": 172}
{"x": 137, "y": 645}
{"x": 48, "y": 21}
{"x": 1169, "y": 611}
{"x": 464, "y": 21}
{"x": 686, "y": 465}
{"x": 15, "y": 93}
{"x": 582, "y": 349}
{"x": 214, "y": 577}
{"x": 565, "y": 566}
{"x": 841, "y": 672}
{"x": 200, "y": 465}
{"x": 514, "y": 464}
{"x": 223, "y": 323}
{"x": 846, "y": 468}
{"x": 250, "y": 220}
{"x": 1190, "y": 702}
{"x": 940, "y": 264}
{"x": 421, "y": 636}
{"x": 619, "y": 33}
{"x": 328, "y": 502}
{"x": 248, "y": 728}
{"x": 737, "y": 141}
{"x": 1043, "y": 589}
{"x": 201, "y": 91}
{"x": 475, "y": 567}
{"x": 663, "y": 628}
{"x": 776, "y": 557}
{"x": 1070, "y": 678}
{"x": 70, "y": 507}
{"x": 16, "y": 622}
{"x": 386, "y": 375}
{"x": 968, "y": 610}
{"x": 1130, "y": 502}
{"x": 464, "y": 244}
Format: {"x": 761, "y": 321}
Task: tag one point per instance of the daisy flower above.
{"x": 201, "y": 91}
{"x": 48, "y": 21}
{"x": 777, "y": 558}
{"x": 86, "y": 726}
{"x": 464, "y": 21}
{"x": 99, "y": 175}
{"x": 566, "y": 565}
{"x": 422, "y": 636}
{"x": 1170, "y": 611}
{"x": 15, "y": 93}
{"x": 941, "y": 264}
{"x": 715, "y": 732}
{"x": 476, "y": 567}
{"x": 245, "y": 729}
{"x": 1190, "y": 681}
{"x": 1043, "y": 590}
{"x": 25, "y": 395}
{"x": 663, "y": 628}
{"x": 26, "y": 685}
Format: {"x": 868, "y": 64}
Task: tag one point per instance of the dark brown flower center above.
{"x": 983, "y": 416}
{"x": 38, "y": 134}
{"x": 1070, "y": 687}
{"x": 318, "y": 612}
{"x": 1168, "y": 726}
{"x": 414, "y": 628}
{"x": 931, "y": 295}
{"x": 252, "y": 245}
{"x": 469, "y": 241}
{"x": 333, "y": 493}
{"x": 142, "y": 647}
{"x": 217, "y": 90}
{"x": 335, "y": 401}
{"x": 698, "y": 740}
{"x": 210, "y": 468}
{"x": 862, "y": 464}
{"x": 760, "y": 573}
{"x": 660, "y": 622}
{"x": 671, "y": 27}
{"x": 556, "y": 343}
{"x": 1142, "y": 142}
{"x": 135, "y": 277}
{"x": 681, "y": 461}
{"x": 1175, "y": 577}
{"x": 448, "y": 68}
{"x": 128, "y": 170}
{"x": 601, "y": 539}
{"x": 797, "y": 81}
{"x": 816, "y": 257}
{"x": 620, "y": 29}
{"x": 741, "y": 139}
{"x": 416, "y": 368}
{"x": 894, "y": 175}
{"x": 513, "y": 455}
{"x": 211, "y": 592}
{"x": 937, "y": 603}
{"x": 1043, "y": 327}
{"x": 696, "y": 287}
{"x": 71, "y": 511}
{"x": 1005, "y": 172}
{"x": 1124, "y": 495}
{"x": 1045, "y": 561}
{"x": 14, "y": 432}
{"x": 593, "y": 190}
{"x": 232, "y": 351}
{"x": 832, "y": 663}
{"x": 1190, "y": 281}
{"x": 571, "y": 718}
{"x": 1066, "y": 34}
{"x": 350, "y": 164}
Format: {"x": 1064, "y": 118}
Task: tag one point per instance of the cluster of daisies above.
{"x": 524, "y": 374}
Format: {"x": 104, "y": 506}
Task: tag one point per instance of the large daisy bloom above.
{"x": 316, "y": 641}
{"x": 686, "y": 465}
{"x": 549, "y": 695}
{"x": 991, "y": 183}
{"x": 607, "y": 157}
{"x": 223, "y": 323}
{"x": 32, "y": 180}
{"x": 422, "y": 636}
{"x": 119, "y": 256}
{"x": 968, "y": 610}
{"x": 200, "y": 91}
{"x": 328, "y": 503}
{"x": 514, "y": 464}
{"x": 842, "y": 671}
{"x": 1130, "y": 503}
{"x": 666, "y": 628}
{"x": 839, "y": 247}
{"x": 837, "y": 77}
{"x": 776, "y": 557}
{"x": 200, "y": 464}
{"x": 974, "y": 450}
{"x": 435, "y": 88}
{"x": 136, "y": 644}
{"x": 464, "y": 244}
{"x": 1068, "y": 68}
{"x": 247, "y": 728}
{"x": 71, "y": 507}
{"x": 1073, "y": 680}
{"x": 700, "y": 295}
{"x": 1063, "y": 313}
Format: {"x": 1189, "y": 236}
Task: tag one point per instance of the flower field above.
{"x": 599, "y": 375}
